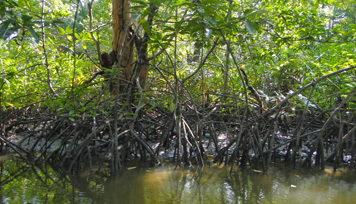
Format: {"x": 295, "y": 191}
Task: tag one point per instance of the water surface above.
{"x": 21, "y": 183}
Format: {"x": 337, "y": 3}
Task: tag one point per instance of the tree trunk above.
{"x": 123, "y": 50}
{"x": 122, "y": 45}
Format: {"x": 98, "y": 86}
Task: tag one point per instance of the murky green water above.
{"x": 41, "y": 184}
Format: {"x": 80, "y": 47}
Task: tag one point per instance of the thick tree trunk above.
{"x": 122, "y": 46}
{"x": 123, "y": 50}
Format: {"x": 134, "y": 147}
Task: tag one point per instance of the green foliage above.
{"x": 281, "y": 45}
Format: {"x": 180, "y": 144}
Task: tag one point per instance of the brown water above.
{"x": 214, "y": 184}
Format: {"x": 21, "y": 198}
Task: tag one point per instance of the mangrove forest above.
{"x": 93, "y": 86}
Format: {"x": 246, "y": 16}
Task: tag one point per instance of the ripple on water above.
{"x": 214, "y": 184}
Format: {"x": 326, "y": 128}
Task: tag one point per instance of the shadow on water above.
{"x": 20, "y": 183}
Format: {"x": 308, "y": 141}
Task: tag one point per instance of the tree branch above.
{"x": 272, "y": 110}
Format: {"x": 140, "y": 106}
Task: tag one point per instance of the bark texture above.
{"x": 122, "y": 44}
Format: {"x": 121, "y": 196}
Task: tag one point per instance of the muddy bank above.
{"x": 209, "y": 135}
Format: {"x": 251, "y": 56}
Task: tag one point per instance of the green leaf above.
{"x": 12, "y": 20}
{"x": 172, "y": 106}
{"x": 3, "y": 28}
{"x": 251, "y": 27}
{"x": 26, "y": 18}
{"x": 248, "y": 12}
{"x": 57, "y": 22}
{"x": 34, "y": 34}
{"x": 145, "y": 26}
{"x": 200, "y": 10}
{"x": 76, "y": 35}
{"x": 141, "y": 106}
{"x": 11, "y": 31}
{"x": 47, "y": 23}
{"x": 69, "y": 30}
{"x": 253, "y": 13}
{"x": 61, "y": 30}
{"x": 211, "y": 21}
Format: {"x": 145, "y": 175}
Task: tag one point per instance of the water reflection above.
{"x": 214, "y": 184}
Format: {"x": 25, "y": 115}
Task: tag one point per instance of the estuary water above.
{"x": 21, "y": 183}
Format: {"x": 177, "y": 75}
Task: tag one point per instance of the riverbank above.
{"x": 218, "y": 137}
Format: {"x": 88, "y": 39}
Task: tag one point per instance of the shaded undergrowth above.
{"x": 190, "y": 135}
